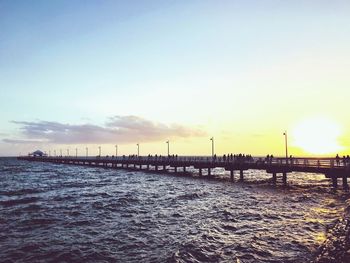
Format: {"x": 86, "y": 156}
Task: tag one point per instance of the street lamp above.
{"x": 76, "y": 152}
{"x": 116, "y": 150}
{"x": 67, "y": 152}
{"x": 138, "y": 149}
{"x": 99, "y": 151}
{"x": 167, "y": 142}
{"x": 87, "y": 151}
{"x": 286, "y": 144}
{"x": 212, "y": 146}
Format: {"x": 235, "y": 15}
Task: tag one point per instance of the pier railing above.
{"x": 306, "y": 162}
{"x": 333, "y": 168}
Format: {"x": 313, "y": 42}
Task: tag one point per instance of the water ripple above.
{"x": 57, "y": 213}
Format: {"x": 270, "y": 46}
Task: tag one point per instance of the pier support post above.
{"x": 232, "y": 175}
{"x": 175, "y": 169}
{"x": 284, "y": 179}
{"x": 164, "y": 168}
{"x": 345, "y": 182}
{"x": 274, "y": 178}
{"x": 209, "y": 172}
{"x": 335, "y": 181}
{"x": 241, "y": 177}
{"x": 184, "y": 169}
{"x": 156, "y": 168}
{"x": 200, "y": 172}
{"x": 148, "y": 167}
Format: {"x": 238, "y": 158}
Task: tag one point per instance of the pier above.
{"x": 330, "y": 167}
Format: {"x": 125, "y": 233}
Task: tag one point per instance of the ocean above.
{"x": 66, "y": 213}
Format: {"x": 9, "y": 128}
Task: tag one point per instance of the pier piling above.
{"x": 241, "y": 176}
{"x": 345, "y": 183}
{"x": 335, "y": 181}
{"x": 274, "y": 178}
{"x": 284, "y": 178}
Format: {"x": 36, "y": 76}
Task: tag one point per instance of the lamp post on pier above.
{"x": 67, "y": 152}
{"x": 99, "y": 151}
{"x": 87, "y": 152}
{"x": 167, "y": 142}
{"x": 116, "y": 150}
{"x": 212, "y": 147}
{"x": 54, "y": 151}
{"x": 138, "y": 149}
{"x": 286, "y": 144}
{"x": 61, "y": 152}
{"x": 76, "y": 152}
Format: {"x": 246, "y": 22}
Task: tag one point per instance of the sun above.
{"x": 317, "y": 135}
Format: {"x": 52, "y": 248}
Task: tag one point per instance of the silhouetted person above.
{"x": 337, "y": 159}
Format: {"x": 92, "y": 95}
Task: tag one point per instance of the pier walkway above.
{"x": 330, "y": 167}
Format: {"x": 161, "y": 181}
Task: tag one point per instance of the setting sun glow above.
{"x": 317, "y": 136}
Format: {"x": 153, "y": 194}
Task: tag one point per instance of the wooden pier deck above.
{"x": 330, "y": 167}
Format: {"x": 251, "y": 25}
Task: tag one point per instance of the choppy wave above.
{"x": 55, "y": 213}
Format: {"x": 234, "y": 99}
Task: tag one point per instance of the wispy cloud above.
{"x": 121, "y": 129}
{"x": 21, "y": 141}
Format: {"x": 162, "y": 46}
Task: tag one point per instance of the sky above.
{"x": 77, "y": 74}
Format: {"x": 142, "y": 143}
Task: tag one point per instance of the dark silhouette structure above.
{"x": 331, "y": 167}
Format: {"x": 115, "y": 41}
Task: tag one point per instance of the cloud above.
{"x": 118, "y": 129}
{"x": 19, "y": 141}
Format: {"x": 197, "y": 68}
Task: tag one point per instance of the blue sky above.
{"x": 222, "y": 67}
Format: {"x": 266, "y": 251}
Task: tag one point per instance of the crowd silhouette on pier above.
{"x": 345, "y": 160}
{"x": 233, "y": 158}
